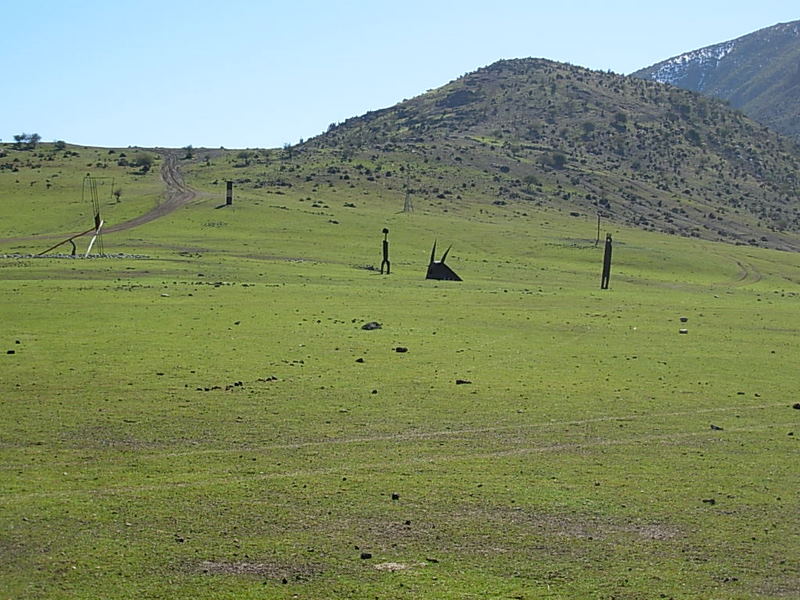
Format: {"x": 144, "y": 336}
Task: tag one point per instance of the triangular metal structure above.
{"x": 438, "y": 269}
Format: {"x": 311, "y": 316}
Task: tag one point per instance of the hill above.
{"x": 758, "y": 73}
{"x": 535, "y": 133}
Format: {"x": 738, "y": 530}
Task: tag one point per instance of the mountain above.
{"x": 532, "y": 133}
{"x": 758, "y": 73}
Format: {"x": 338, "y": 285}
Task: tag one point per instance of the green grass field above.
{"x": 211, "y": 421}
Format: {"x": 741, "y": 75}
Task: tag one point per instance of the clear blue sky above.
{"x": 239, "y": 73}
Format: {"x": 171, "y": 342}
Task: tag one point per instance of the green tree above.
{"x": 25, "y": 141}
{"x": 143, "y": 160}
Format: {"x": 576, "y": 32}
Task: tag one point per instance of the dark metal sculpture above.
{"x": 385, "y": 260}
{"x": 439, "y": 270}
{"x": 606, "y": 264}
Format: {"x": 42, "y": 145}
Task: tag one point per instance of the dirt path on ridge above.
{"x": 177, "y": 194}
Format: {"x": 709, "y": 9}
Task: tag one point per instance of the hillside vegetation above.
{"x": 758, "y": 73}
{"x": 527, "y": 134}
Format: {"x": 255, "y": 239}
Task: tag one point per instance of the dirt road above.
{"x": 177, "y": 194}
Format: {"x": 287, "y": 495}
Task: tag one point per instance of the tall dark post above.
{"x": 229, "y": 194}
{"x": 385, "y": 260}
{"x": 606, "y": 264}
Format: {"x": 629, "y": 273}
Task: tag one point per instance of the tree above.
{"x": 24, "y": 141}
{"x": 144, "y": 161}
{"x": 189, "y": 152}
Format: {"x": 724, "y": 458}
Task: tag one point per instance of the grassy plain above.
{"x": 212, "y": 421}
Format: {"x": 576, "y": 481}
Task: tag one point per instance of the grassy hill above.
{"x": 758, "y": 73}
{"x": 531, "y": 133}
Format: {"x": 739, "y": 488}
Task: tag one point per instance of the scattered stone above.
{"x": 11, "y": 351}
{"x": 165, "y": 295}
{"x": 683, "y": 331}
{"x": 462, "y": 381}
{"x": 716, "y": 427}
{"x": 684, "y": 319}
{"x": 374, "y": 391}
{"x": 401, "y": 349}
{"x": 359, "y": 360}
{"x": 431, "y": 559}
{"x": 395, "y": 496}
{"x": 710, "y": 501}
{"x": 796, "y": 405}
{"x": 366, "y": 555}
{"x": 371, "y": 325}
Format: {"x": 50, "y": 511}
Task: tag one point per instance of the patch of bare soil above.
{"x": 466, "y": 530}
{"x": 395, "y": 566}
{"x": 271, "y": 570}
{"x": 584, "y": 526}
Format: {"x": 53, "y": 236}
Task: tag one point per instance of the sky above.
{"x": 262, "y": 74}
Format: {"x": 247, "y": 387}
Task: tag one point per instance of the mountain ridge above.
{"x": 758, "y": 73}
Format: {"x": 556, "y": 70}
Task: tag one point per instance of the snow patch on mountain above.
{"x": 672, "y": 70}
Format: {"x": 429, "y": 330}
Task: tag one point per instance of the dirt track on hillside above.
{"x": 176, "y": 195}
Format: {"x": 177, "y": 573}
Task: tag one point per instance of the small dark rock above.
{"x": 462, "y": 381}
{"x": 684, "y": 319}
{"x": 11, "y": 352}
{"x": 431, "y": 560}
{"x": 359, "y": 360}
{"x": 401, "y": 349}
{"x": 366, "y": 555}
{"x": 710, "y": 501}
{"x": 374, "y": 391}
{"x": 395, "y": 496}
{"x": 796, "y": 405}
{"x": 716, "y": 427}
{"x": 371, "y": 325}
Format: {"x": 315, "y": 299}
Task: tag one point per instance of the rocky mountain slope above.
{"x": 758, "y": 73}
{"x": 531, "y": 132}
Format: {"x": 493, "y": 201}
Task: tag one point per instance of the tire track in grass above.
{"x": 388, "y": 466}
{"x": 432, "y": 435}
